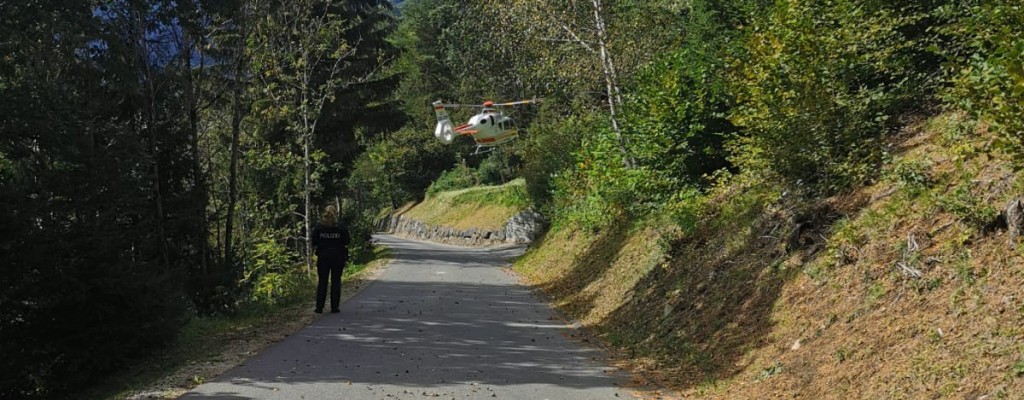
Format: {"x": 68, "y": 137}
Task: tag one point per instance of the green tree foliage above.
{"x": 120, "y": 124}
{"x": 91, "y": 152}
{"x": 677, "y": 110}
{"x": 679, "y": 125}
{"x": 399, "y": 167}
{"x": 820, "y": 85}
{"x": 425, "y": 75}
{"x": 396, "y": 168}
{"x": 300, "y": 55}
{"x": 988, "y": 69}
{"x": 549, "y": 149}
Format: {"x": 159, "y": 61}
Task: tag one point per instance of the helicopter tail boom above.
{"x": 464, "y": 130}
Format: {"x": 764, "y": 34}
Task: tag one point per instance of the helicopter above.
{"x": 489, "y": 128}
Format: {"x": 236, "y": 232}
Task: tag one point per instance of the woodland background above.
{"x": 164, "y": 160}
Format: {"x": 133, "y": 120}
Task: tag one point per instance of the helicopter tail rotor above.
{"x": 443, "y": 131}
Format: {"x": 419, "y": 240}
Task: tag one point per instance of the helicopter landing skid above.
{"x": 483, "y": 150}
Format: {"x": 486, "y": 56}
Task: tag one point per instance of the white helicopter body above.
{"x": 489, "y": 128}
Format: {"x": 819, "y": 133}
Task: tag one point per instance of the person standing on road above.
{"x": 330, "y": 240}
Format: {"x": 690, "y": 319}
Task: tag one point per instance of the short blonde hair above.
{"x": 330, "y": 216}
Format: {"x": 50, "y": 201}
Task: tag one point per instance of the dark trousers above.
{"x": 323, "y": 271}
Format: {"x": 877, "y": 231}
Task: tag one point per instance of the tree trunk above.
{"x": 308, "y": 201}
{"x": 611, "y": 83}
{"x": 236, "y": 133}
{"x": 307, "y": 138}
{"x": 238, "y": 112}
{"x": 142, "y": 51}
{"x": 198, "y": 178}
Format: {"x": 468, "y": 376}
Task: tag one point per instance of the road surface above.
{"x": 440, "y": 322}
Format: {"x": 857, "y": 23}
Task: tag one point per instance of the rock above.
{"x": 1014, "y": 220}
{"x": 524, "y": 227}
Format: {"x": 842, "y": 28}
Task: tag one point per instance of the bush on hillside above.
{"x": 498, "y": 168}
{"x": 548, "y": 150}
{"x": 676, "y": 120}
{"x": 822, "y": 83}
{"x": 988, "y": 76}
{"x": 600, "y": 189}
{"x": 676, "y": 113}
{"x": 271, "y": 274}
{"x": 460, "y": 177}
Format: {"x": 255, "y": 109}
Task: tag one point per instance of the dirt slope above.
{"x": 902, "y": 289}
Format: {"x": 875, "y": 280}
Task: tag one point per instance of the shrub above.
{"x": 548, "y": 150}
{"x": 271, "y": 272}
{"x": 677, "y": 122}
{"x": 968, "y": 207}
{"x": 460, "y": 177}
{"x": 600, "y": 189}
{"x": 988, "y": 74}
{"x": 913, "y": 176}
{"x": 816, "y": 107}
{"x": 75, "y": 326}
{"x": 676, "y": 112}
{"x": 497, "y": 168}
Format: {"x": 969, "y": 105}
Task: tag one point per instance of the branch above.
{"x": 568, "y": 30}
{"x": 562, "y": 40}
{"x": 573, "y": 34}
{"x": 910, "y": 272}
{"x": 337, "y": 63}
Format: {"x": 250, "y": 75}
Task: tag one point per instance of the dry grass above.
{"x": 483, "y": 207}
{"x": 783, "y": 298}
{"x": 593, "y": 290}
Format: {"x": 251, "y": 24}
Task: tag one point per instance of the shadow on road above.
{"x": 438, "y": 318}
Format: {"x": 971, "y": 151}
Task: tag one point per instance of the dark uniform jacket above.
{"x": 331, "y": 243}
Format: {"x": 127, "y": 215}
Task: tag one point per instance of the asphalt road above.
{"x": 440, "y": 322}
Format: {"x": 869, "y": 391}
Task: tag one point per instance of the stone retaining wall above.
{"x": 522, "y": 228}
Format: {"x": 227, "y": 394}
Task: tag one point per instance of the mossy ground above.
{"x": 905, "y": 288}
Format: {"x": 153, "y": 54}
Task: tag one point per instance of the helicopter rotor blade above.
{"x": 520, "y": 102}
{"x": 462, "y": 106}
{"x": 478, "y": 106}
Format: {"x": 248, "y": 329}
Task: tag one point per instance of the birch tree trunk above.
{"x": 608, "y": 70}
{"x": 308, "y": 199}
{"x": 611, "y": 83}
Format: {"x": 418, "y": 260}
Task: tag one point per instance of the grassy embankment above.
{"x": 481, "y": 207}
{"x": 209, "y": 346}
{"x": 905, "y": 288}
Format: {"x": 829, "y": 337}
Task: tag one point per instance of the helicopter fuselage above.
{"x": 489, "y": 128}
